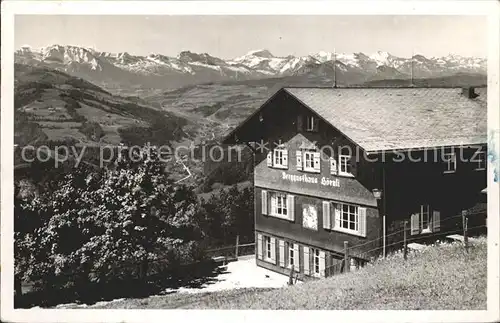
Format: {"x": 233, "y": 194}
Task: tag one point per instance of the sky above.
{"x": 233, "y": 36}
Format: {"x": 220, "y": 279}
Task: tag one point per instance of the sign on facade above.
{"x": 304, "y": 178}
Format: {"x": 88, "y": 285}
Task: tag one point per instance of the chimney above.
{"x": 469, "y": 92}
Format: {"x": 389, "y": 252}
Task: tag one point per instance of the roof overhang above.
{"x": 237, "y": 135}
{"x": 246, "y": 130}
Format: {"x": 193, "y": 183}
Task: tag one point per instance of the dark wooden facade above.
{"x": 405, "y": 186}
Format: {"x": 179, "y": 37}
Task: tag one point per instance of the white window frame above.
{"x": 290, "y": 255}
{"x": 268, "y": 251}
{"x": 278, "y": 156}
{"x": 305, "y": 154}
{"x": 429, "y": 220}
{"x": 310, "y": 123}
{"x": 310, "y": 155}
{"x": 315, "y": 262}
{"x": 449, "y": 162}
{"x": 339, "y": 225}
{"x": 481, "y": 160}
{"x": 282, "y": 211}
{"x": 345, "y": 167}
{"x": 425, "y": 214}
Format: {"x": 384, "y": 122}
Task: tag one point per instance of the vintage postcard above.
{"x": 295, "y": 156}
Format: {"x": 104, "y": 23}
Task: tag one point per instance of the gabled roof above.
{"x": 399, "y": 118}
{"x": 379, "y": 119}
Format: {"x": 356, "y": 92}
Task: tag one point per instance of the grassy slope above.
{"x": 52, "y": 105}
{"x": 443, "y": 277}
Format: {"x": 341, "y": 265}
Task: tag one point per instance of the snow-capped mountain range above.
{"x": 159, "y": 71}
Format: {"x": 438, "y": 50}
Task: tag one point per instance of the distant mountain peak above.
{"x": 189, "y": 56}
{"x": 264, "y": 53}
{"x": 187, "y": 68}
{"x": 124, "y": 55}
{"x": 382, "y": 53}
{"x": 420, "y": 57}
{"x": 203, "y": 58}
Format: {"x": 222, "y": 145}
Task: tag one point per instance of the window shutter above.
{"x": 322, "y": 260}
{"x": 415, "y": 225}
{"x": 270, "y": 159}
{"x": 274, "y": 204}
{"x": 264, "y": 202}
{"x": 273, "y": 250}
{"x": 436, "y": 221}
{"x": 337, "y": 215}
{"x": 326, "y": 215}
{"x": 299, "y": 159}
{"x": 285, "y": 158}
{"x": 299, "y": 123}
{"x": 282, "y": 253}
{"x": 362, "y": 221}
{"x": 354, "y": 163}
{"x": 333, "y": 166}
{"x": 290, "y": 199}
{"x": 317, "y": 162}
{"x": 296, "y": 257}
{"x": 259, "y": 246}
{"x": 306, "y": 260}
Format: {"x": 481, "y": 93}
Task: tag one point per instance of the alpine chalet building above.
{"x": 337, "y": 165}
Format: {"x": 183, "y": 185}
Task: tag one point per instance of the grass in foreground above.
{"x": 443, "y": 277}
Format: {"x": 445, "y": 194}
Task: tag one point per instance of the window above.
{"x": 312, "y": 123}
{"x": 291, "y": 255}
{"x": 480, "y": 159}
{"x": 282, "y": 205}
{"x": 316, "y": 258}
{"x": 450, "y": 160}
{"x": 278, "y": 158}
{"x": 309, "y": 161}
{"x": 345, "y": 166}
{"x": 349, "y": 217}
{"x": 267, "y": 245}
{"x": 279, "y": 205}
{"x": 266, "y": 248}
{"x": 425, "y": 220}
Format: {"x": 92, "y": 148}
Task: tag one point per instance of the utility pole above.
{"x": 411, "y": 67}
{"x": 334, "y": 69}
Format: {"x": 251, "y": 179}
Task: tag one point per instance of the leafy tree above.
{"x": 103, "y": 226}
{"x": 228, "y": 213}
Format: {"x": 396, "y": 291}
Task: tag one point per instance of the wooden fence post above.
{"x": 347, "y": 263}
{"x": 383, "y": 236}
{"x": 290, "y": 277}
{"x": 405, "y": 245}
{"x": 465, "y": 221}
{"x": 237, "y": 245}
